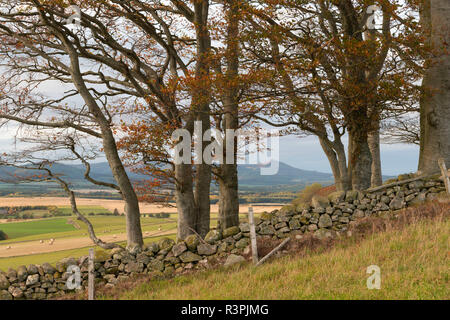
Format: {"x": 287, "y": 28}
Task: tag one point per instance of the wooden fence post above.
{"x": 444, "y": 171}
{"x": 91, "y": 277}
{"x": 273, "y": 252}
{"x": 251, "y": 222}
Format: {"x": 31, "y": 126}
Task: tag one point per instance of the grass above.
{"x": 413, "y": 258}
{"x": 57, "y": 228}
{"x": 103, "y": 225}
{"x": 56, "y": 256}
{"x": 21, "y": 229}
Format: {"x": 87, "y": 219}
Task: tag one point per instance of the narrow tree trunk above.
{"x": 91, "y": 231}
{"x": 360, "y": 159}
{"x": 202, "y": 199}
{"x": 132, "y": 212}
{"x": 74, "y": 206}
{"x": 343, "y": 167}
{"x": 374, "y": 145}
{"x": 435, "y": 102}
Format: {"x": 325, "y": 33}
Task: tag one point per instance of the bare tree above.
{"x": 403, "y": 129}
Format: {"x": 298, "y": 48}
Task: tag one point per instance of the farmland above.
{"x": 18, "y": 230}
{"x": 28, "y": 240}
{"x": 102, "y": 225}
{"x": 26, "y": 237}
{"x": 53, "y": 257}
{"x": 113, "y": 204}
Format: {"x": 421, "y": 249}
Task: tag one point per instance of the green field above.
{"x": 54, "y": 257}
{"x": 103, "y": 226}
{"x": 17, "y": 230}
{"x": 58, "y": 228}
{"x": 413, "y": 262}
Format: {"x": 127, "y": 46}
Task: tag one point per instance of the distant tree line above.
{"x": 25, "y": 212}
{"x": 23, "y": 208}
{"x": 161, "y": 215}
{"x": 115, "y": 214}
{"x": 20, "y": 212}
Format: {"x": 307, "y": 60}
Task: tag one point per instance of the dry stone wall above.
{"x": 325, "y": 217}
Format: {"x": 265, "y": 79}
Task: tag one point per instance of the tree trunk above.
{"x": 228, "y": 197}
{"x": 360, "y": 159}
{"x": 338, "y": 162}
{"x": 435, "y": 102}
{"x": 228, "y": 178}
{"x": 74, "y": 206}
{"x": 374, "y": 145}
{"x": 345, "y": 182}
{"x": 132, "y": 212}
{"x": 200, "y": 105}
{"x": 184, "y": 195}
{"x": 202, "y": 199}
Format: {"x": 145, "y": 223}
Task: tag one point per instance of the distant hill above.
{"x": 249, "y": 175}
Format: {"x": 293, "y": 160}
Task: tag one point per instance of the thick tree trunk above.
{"x": 435, "y": 103}
{"x": 193, "y": 193}
{"x": 374, "y": 145}
{"x": 360, "y": 159}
